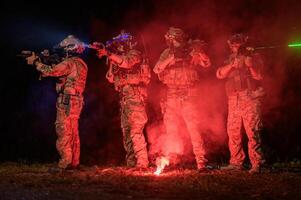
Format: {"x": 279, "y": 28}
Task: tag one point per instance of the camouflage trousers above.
{"x": 244, "y": 111}
{"x": 68, "y": 142}
{"x": 133, "y": 119}
{"x": 182, "y": 106}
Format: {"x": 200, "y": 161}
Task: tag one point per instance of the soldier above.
{"x": 130, "y": 74}
{"x": 71, "y": 73}
{"x": 178, "y": 68}
{"x": 244, "y": 91}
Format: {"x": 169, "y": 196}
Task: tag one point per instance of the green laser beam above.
{"x": 294, "y": 45}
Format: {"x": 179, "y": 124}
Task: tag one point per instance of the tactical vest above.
{"x": 240, "y": 80}
{"x": 139, "y": 74}
{"x": 73, "y": 83}
{"x": 180, "y": 74}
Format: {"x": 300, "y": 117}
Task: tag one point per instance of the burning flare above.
{"x": 161, "y": 163}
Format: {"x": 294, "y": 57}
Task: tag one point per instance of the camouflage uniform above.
{"x": 72, "y": 73}
{"x": 131, "y": 85}
{"x": 244, "y": 93}
{"x": 181, "y": 79}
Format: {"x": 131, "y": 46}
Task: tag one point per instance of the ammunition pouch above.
{"x": 128, "y": 77}
{"x": 66, "y": 99}
{"x": 179, "y": 74}
{"x": 240, "y": 80}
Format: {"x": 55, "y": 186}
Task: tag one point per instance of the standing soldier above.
{"x": 71, "y": 73}
{"x": 178, "y": 68}
{"x": 130, "y": 73}
{"x": 244, "y": 92}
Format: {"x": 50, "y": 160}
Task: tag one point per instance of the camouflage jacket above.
{"x": 72, "y": 74}
{"x": 137, "y": 72}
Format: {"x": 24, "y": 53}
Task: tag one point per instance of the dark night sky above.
{"x": 28, "y": 105}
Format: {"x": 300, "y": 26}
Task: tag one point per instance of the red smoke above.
{"x": 214, "y": 21}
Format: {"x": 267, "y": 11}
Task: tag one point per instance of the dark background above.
{"x": 28, "y": 105}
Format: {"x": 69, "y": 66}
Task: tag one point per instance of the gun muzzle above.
{"x": 25, "y": 53}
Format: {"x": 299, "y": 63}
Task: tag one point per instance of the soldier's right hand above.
{"x": 31, "y": 59}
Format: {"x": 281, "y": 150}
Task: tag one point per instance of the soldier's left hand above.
{"x": 31, "y": 59}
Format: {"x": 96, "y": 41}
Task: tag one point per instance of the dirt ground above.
{"x": 26, "y": 182}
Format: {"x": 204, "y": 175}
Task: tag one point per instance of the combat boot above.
{"x": 255, "y": 170}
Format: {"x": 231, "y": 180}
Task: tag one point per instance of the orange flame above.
{"x": 161, "y": 163}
